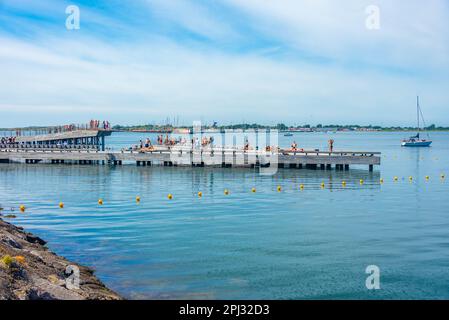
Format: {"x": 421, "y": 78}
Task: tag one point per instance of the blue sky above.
{"x": 291, "y": 61}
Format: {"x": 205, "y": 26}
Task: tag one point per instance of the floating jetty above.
{"x": 88, "y": 147}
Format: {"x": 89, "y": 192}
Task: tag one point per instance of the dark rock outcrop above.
{"x": 29, "y": 271}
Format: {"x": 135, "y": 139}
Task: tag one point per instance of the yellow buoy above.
{"x": 170, "y": 196}
{"x": 301, "y": 187}
{"x": 343, "y": 183}
{"x": 322, "y": 184}
{"x": 200, "y": 194}
{"x": 100, "y": 201}
{"x": 396, "y": 178}
{"x": 279, "y": 188}
{"x": 226, "y": 192}
{"x": 381, "y": 180}
{"x": 61, "y": 205}
{"x": 361, "y": 181}
{"x": 138, "y": 199}
{"x": 427, "y": 177}
{"x": 253, "y": 190}
{"x": 22, "y": 208}
{"x": 410, "y": 178}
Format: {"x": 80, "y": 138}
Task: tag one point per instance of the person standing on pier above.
{"x": 331, "y": 145}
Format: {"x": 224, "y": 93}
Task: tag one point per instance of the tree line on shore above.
{"x": 246, "y": 126}
{"x": 280, "y": 127}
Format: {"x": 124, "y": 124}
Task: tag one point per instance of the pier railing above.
{"x": 49, "y": 147}
{"x": 177, "y": 149}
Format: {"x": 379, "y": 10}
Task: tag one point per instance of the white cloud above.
{"x": 410, "y": 31}
{"x": 79, "y": 76}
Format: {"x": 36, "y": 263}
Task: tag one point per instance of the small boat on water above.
{"x": 288, "y": 134}
{"x": 416, "y": 141}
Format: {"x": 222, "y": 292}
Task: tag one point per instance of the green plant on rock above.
{"x": 7, "y": 261}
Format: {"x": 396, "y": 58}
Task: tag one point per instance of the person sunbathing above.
{"x": 294, "y": 146}
{"x": 147, "y": 149}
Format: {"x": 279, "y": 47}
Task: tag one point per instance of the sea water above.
{"x": 310, "y": 243}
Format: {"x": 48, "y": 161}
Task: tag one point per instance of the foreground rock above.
{"x": 29, "y": 271}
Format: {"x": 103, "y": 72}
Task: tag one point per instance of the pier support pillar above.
{"x": 322, "y": 166}
{"x": 371, "y": 167}
{"x": 328, "y": 166}
{"x": 346, "y": 167}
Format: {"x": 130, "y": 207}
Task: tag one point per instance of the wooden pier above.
{"x": 88, "y": 147}
{"x": 340, "y": 160}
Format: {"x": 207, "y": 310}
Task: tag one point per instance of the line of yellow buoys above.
{"x": 22, "y": 208}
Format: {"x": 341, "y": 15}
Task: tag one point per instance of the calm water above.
{"x": 314, "y": 243}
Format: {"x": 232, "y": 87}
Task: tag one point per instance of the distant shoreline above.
{"x": 186, "y": 130}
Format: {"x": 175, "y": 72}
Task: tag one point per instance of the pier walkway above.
{"x": 186, "y": 156}
{"x": 76, "y": 139}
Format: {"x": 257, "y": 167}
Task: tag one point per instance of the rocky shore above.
{"x": 29, "y": 271}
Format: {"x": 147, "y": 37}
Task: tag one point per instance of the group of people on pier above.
{"x": 197, "y": 143}
{"x": 97, "y": 124}
{"x": 8, "y": 140}
{"x": 146, "y": 145}
{"x": 294, "y": 146}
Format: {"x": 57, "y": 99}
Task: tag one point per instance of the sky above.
{"x": 230, "y": 61}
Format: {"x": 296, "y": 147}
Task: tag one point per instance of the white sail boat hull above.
{"x": 425, "y": 143}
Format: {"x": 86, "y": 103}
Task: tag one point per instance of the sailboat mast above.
{"x": 417, "y": 110}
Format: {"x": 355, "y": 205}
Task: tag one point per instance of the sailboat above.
{"x": 416, "y": 140}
